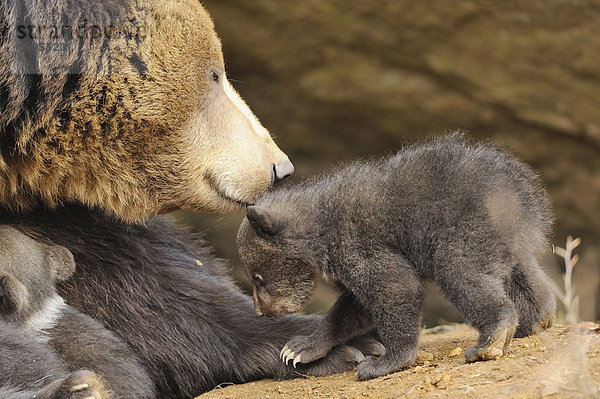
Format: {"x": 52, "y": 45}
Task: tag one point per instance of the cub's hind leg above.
{"x": 529, "y": 289}
{"x": 480, "y": 297}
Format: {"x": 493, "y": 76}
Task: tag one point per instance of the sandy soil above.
{"x": 553, "y": 364}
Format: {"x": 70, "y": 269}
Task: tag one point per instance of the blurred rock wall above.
{"x": 336, "y": 80}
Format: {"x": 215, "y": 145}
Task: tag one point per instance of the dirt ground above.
{"x": 553, "y": 364}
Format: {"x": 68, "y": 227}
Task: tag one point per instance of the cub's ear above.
{"x": 61, "y": 261}
{"x": 14, "y": 297}
{"x": 263, "y": 221}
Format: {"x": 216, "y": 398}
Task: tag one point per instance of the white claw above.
{"x": 285, "y": 355}
{"x": 79, "y": 387}
{"x": 283, "y": 351}
{"x": 296, "y": 360}
{"x": 289, "y": 357}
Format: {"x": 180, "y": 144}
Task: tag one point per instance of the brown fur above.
{"x": 139, "y": 128}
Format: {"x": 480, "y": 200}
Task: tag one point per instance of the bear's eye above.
{"x": 214, "y": 76}
{"x": 258, "y": 280}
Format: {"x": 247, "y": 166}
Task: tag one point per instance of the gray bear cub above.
{"x": 470, "y": 218}
{"x": 73, "y": 356}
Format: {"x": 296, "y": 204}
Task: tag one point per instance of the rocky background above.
{"x": 337, "y": 80}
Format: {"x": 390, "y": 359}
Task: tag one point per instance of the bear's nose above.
{"x": 281, "y": 171}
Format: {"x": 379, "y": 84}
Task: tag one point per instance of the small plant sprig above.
{"x": 581, "y": 334}
{"x": 567, "y": 296}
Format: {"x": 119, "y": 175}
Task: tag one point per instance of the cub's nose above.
{"x": 281, "y": 171}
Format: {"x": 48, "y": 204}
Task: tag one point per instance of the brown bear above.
{"x": 125, "y": 106}
{"x": 112, "y": 112}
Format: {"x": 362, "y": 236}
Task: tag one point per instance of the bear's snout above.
{"x": 281, "y": 171}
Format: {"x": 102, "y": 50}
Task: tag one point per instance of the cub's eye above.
{"x": 258, "y": 280}
{"x": 214, "y": 75}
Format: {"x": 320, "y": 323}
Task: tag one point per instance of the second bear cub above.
{"x": 470, "y": 218}
{"x": 67, "y": 343}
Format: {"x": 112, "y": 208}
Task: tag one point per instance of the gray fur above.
{"x": 27, "y": 367}
{"x": 58, "y": 344}
{"x": 190, "y": 325}
{"x": 470, "y": 218}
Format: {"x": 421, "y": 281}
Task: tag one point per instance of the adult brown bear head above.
{"x": 125, "y": 106}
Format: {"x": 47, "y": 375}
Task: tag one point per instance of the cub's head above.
{"x": 280, "y": 259}
{"x": 129, "y": 110}
{"x": 28, "y": 272}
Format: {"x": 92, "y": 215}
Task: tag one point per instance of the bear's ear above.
{"x": 263, "y": 221}
{"x": 14, "y": 297}
{"x": 61, "y": 261}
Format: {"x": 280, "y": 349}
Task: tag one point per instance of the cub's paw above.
{"x": 373, "y": 367}
{"x": 547, "y": 321}
{"x": 82, "y": 384}
{"x": 530, "y": 327}
{"x": 304, "y": 349}
{"x": 495, "y": 347}
{"x": 339, "y": 360}
{"x": 368, "y": 346}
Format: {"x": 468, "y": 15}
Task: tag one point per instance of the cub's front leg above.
{"x": 344, "y": 321}
{"x": 391, "y": 293}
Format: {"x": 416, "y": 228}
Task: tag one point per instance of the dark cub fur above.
{"x": 56, "y": 344}
{"x": 469, "y": 217}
